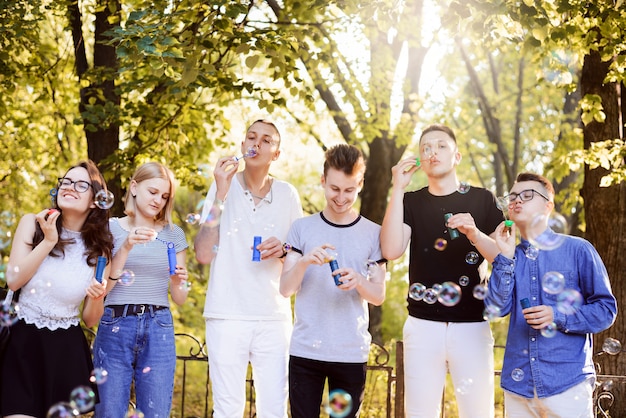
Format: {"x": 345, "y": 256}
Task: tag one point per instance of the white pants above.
{"x": 431, "y": 349}
{"x": 231, "y": 345}
{"x": 576, "y": 402}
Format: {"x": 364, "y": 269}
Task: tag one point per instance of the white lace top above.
{"x": 52, "y": 297}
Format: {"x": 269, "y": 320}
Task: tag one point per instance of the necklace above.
{"x": 271, "y": 192}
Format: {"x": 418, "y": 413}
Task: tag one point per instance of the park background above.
{"x": 526, "y": 85}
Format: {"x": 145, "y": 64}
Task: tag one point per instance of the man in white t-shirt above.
{"x": 247, "y": 320}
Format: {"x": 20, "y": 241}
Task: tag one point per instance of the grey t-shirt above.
{"x": 150, "y": 265}
{"x": 332, "y": 324}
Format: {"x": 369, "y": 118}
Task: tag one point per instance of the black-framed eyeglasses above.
{"x": 524, "y": 195}
{"x": 81, "y": 186}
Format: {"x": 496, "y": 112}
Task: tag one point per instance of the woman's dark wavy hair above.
{"x": 95, "y": 232}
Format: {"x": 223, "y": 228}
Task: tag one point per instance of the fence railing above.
{"x": 384, "y": 392}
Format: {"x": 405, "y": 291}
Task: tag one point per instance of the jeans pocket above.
{"x": 163, "y": 318}
{"x": 108, "y": 318}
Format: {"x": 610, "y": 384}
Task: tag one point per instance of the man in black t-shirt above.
{"x": 445, "y": 330}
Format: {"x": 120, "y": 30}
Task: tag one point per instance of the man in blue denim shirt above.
{"x": 548, "y": 368}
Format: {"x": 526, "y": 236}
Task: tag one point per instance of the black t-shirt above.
{"x": 436, "y": 258}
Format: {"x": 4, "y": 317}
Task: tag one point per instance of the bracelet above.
{"x": 111, "y": 278}
{"x": 286, "y": 248}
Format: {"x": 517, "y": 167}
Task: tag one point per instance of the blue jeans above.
{"x": 139, "y": 347}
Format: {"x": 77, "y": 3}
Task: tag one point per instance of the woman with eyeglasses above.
{"x": 135, "y": 340}
{"x": 52, "y": 263}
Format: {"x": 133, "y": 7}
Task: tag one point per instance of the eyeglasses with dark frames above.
{"x": 81, "y": 186}
{"x": 524, "y": 195}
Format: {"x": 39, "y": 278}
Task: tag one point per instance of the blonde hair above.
{"x": 148, "y": 171}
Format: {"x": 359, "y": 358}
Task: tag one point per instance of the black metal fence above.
{"x": 384, "y": 388}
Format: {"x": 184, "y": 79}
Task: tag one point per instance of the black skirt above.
{"x": 41, "y": 368}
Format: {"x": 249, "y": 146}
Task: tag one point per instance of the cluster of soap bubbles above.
{"x": 82, "y": 400}
{"x": 339, "y": 403}
{"x": 568, "y": 301}
{"x": 447, "y": 293}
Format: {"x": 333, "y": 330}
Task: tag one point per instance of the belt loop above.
{"x": 125, "y": 312}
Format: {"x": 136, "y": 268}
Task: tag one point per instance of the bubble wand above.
{"x": 503, "y": 204}
{"x": 251, "y": 152}
{"x": 171, "y": 255}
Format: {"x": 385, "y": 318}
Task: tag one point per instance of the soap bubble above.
{"x": 553, "y": 282}
{"x": 472, "y": 257}
{"x": 549, "y": 331}
{"x": 464, "y": 280}
{"x": 502, "y": 203}
{"x": 134, "y": 413}
{"x": 547, "y": 239}
{"x": 465, "y": 386}
{"x": 251, "y": 152}
{"x": 62, "y": 410}
{"x": 8, "y": 313}
{"x": 126, "y": 278}
{"x": 417, "y": 291}
{"x": 99, "y": 376}
{"x": 450, "y": 294}
{"x": 339, "y": 403}
{"x": 83, "y": 398}
{"x": 430, "y": 296}
{"x": 569, "y": 301}
{"x": 480, "y": 291}
{"x": 440, "y": 244}
{"x": 192, "y": 218}
{"x": 491, "y": 312}
{"x": 531, "y": 252}
{"x": 464, "y": 187}
{"x": 104, "y": 199}
{"x": 370, "y": 267}
{"x": 612, "y": 346}
{"x": 517, "y": 375}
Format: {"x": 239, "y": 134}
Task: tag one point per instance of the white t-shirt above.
{"x": 240, "y": 288}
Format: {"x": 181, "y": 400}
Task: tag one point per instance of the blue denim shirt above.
{"x": 551, "y": 365}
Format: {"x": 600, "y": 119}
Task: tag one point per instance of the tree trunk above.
{"x": 383, "y": 154}
{"x": 605, "y": 215}
{"x": 102, "y": 137}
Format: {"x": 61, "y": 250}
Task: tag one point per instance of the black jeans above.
{"x": 306, "y": 385}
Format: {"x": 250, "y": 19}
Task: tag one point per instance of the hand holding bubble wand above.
{"x": 102, "y": 262}
{"x": 171, "y": 260}
{"x": 331, "y": 259}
